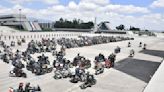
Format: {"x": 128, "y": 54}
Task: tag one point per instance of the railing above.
{"x": 12, "y": 36}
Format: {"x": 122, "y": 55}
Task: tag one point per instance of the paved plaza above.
{"x": 128, "y": 75}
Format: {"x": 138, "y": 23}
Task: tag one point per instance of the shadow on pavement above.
{"x": 140, "y": 69}
{"x": 158, "y": 53}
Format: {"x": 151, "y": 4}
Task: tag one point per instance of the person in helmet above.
{"x": 18, "y": 55}
{"x": 129, "y": 44}
{"x": 89, "y": 78}
{"x": 77, "y": 59}
{"x": 62, "y": 49}
{"x": 140, "y": 44}
{"x": 101, "y": 58}
{"x": 144, "y": 46}
{"x": 112, "y": 58}
{"x": 28, "y": 87}
{"x": 20, "y": 88}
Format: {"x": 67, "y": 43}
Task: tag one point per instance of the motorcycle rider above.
{"x": 140, "y": 44}
{"x": 100, "y": 58}
{"x": 62, "y": 49}
{"x": 5, "y": 58}
{"x": 77, "y": 59}
{"x": 132, "y": 53}
{"x": 79, "y": 71}
{"x": 144, "y": 47}
{"x": 20, "y": 88}
{"x": 28, "y": 87}
{"x": 89, "y": 79}
{"x": 112, "y": 58}
{"x": 129, "y": 44}
{"x": 18, "y": 54}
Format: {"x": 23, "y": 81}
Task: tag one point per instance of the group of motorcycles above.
{"x": 63, "y": 69}
{"x": 132, "y": 52}
{"x": 101, "y": 62}
{"x": 40, "y": 67}
{"x": 45, "y": 45}
{"x": 26, "y": 88}
{"x": 61, "y": 66}
{"x": 88, "y": 41}
{"x": 8, "y": 57}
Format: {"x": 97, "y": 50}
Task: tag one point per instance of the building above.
{"x": 19, "y": 22}
{"x": 46, "y": 25}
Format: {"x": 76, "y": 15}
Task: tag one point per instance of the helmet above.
{"x": 21, "y": 84}
{"x": 17, "y": 50}
{"x": 28, "y": 84}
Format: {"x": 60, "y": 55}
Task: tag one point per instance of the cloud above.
{"x": 51, "y": 1}
{"x": 72, "y": 5}
{"x": 97, "y": 2}
{"x": 30, "y": 1}
{"x": 128, "y": 9}
{"x": 158, "y": 3}
{"x": 87, "y": 6}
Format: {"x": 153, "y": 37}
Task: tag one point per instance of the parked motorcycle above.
{"x": 17, "y": 73}
{"x": 88, "y": 83}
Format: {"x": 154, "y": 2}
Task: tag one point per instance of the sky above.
{"x": 145, "y": 14}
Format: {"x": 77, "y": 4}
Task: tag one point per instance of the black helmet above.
{"x": 78, "y": 54}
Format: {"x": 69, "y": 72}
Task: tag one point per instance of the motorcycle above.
{"x": 99, "y": 71}
{"x": 87, "y": 64}
{"x": 88, "y": 84}
{"x": 19, "y": 43}
{"x": 99, "y": 68}
{"x": 76, "y": 78}
{"x": 12, "y": 44}
{"x": 58, "y": 74}
{"x": 108, "y": 64}
{"x": 129, "y": 44}
{"x": 31, "y": 89}
{"x": 132, "y": 53}
{"x": 47, "y": 68}
{"x": 62, "y": 74}
{"x": 23, "y": 40}
{"x": 5, "y": 58}
{"x": 117, "y": 50}
{"x": 17, "y": 73}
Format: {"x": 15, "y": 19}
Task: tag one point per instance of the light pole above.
{"x": 20, "y": 18}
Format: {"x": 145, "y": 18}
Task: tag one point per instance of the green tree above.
{"x": 76, "y": 23}
{"x": 134, "y": 28}
{"x": 120, "y": 27}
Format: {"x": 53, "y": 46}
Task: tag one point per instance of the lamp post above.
{"x": 20, "y": 18}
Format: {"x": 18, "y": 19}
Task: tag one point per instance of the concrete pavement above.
{"x": 129, "y": 74}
